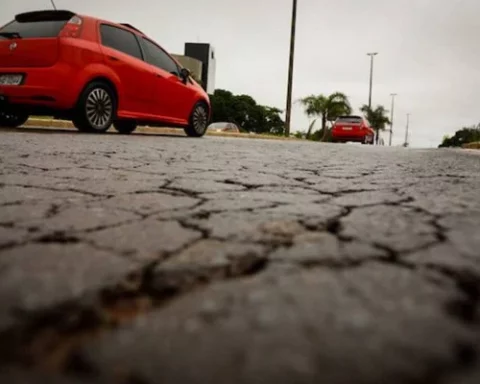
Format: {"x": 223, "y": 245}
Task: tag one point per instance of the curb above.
{"x": 471, "y": 146}
{"x": 52, "y": 124}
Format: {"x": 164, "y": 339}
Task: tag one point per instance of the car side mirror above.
{"x": 184, "y": 74}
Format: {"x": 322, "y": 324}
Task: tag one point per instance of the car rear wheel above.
{"x": 368, "y": 140}
{"x": 125, "y": 127}
{"x": 198, "y": 121}
{"x": 96, "y": 108}
{"x": 12, "y": 119}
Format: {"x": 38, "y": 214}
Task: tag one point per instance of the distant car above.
{"x": 352, "y": 128}
{"x": 95, "y": 73}
{"x": 224, "y": 127}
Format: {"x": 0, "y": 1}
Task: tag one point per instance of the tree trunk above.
{"x": 324, "y": 127}
{"x": 309, "y": 132}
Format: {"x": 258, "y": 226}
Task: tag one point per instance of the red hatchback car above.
{"x": 95, "y": 73}
{"x": 352, "y": 128}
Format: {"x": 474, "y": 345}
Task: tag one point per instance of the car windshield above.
{"x": 349, "y": 120}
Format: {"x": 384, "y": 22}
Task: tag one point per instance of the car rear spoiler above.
{"x": 49, "y": 15}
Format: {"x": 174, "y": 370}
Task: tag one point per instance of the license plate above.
{"x": 347, "y": 128}
{"x": 11, "y": 79}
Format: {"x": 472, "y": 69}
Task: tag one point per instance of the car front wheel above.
{"x": 198, "y": 121}
{"x": 125, "y": 127}
{"x": 12, "y": 119}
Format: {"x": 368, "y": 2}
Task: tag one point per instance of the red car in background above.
{"x": 352, "y": 128}
{"x": 95, "y": 73}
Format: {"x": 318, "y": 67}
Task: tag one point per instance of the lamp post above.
{"x": 391, "y": 119}
{"x": 372, "y": 56}
{"x": 288, "y": 113}
{"x": 406, "y": 130}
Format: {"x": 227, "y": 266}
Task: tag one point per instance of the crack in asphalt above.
{"x": 39, "y": 340}
{"x": 49, "y": 338}
{"x": 51, "y": 189}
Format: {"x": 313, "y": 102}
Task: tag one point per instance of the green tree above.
{"x": 274, "y": 122}
{"x": 327, "y": 108}
{"x": 377, "y": 118}
{"x": 463, "y": 136}
{"x": 244, "y": 111}
{"x": 300, "y": 135}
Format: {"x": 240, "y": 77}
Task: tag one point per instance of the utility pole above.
{"x": 288, "y": 113}
{"x": 53, "y": 4}
{"x": 406, "y": 130}
{"x": 372, "y": 56}
{"x": 391, "y": 119}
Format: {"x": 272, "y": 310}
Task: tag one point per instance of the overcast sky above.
{"x": 428, "y": 50}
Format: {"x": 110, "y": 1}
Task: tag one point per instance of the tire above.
{"x": 12, "y": 119}
{"x": 125, "y": 127}
{"x": 199, "y": 119}
{"x": 96, "y": 108}
{"x": 368, "y": 140}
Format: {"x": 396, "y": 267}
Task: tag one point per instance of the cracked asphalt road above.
{"x": 153, "y": 259}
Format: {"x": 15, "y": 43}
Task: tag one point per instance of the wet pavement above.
{"x": 157, "y": 259}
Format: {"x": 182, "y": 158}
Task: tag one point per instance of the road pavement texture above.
{"x": 154, "y": 259}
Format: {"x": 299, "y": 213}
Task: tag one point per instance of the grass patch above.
{"x": 472, "y": 145}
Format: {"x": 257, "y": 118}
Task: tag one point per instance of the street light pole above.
{"x": 372, "y": 55}
{"x": 391, "y": 119}
{"x": 288, "y": 113}
{"x": 406, "y": 130}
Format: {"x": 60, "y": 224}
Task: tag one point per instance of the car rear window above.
{"x": 34, "y": 29}
{"x": 350, "y": 119}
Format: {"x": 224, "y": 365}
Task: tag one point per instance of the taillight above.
{"x": 72, "y": 28}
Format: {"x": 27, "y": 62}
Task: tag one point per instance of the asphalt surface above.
{"x": 155, "y": 259}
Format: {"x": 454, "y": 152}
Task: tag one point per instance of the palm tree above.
{"x": 377, "y": 118}
{"x": 328, "y": 108}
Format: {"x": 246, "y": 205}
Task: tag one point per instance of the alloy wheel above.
{"x": 200, "y": 119}
{"x": 99, "y": 109}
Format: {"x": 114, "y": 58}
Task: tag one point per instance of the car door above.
{"x": 122, "y": 53}
{"x": 173, "y": 98}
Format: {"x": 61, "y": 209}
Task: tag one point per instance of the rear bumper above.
{"x": 42, "y": 88}
{"x": 360, "y": 137}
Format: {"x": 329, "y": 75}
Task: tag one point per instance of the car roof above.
{"x": 128, "y": 26}
{"x": 63, "y": 14}
{"x": 66, "y": 14}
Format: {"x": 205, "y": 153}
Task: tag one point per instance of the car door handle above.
{"x": 113, "y": 58}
